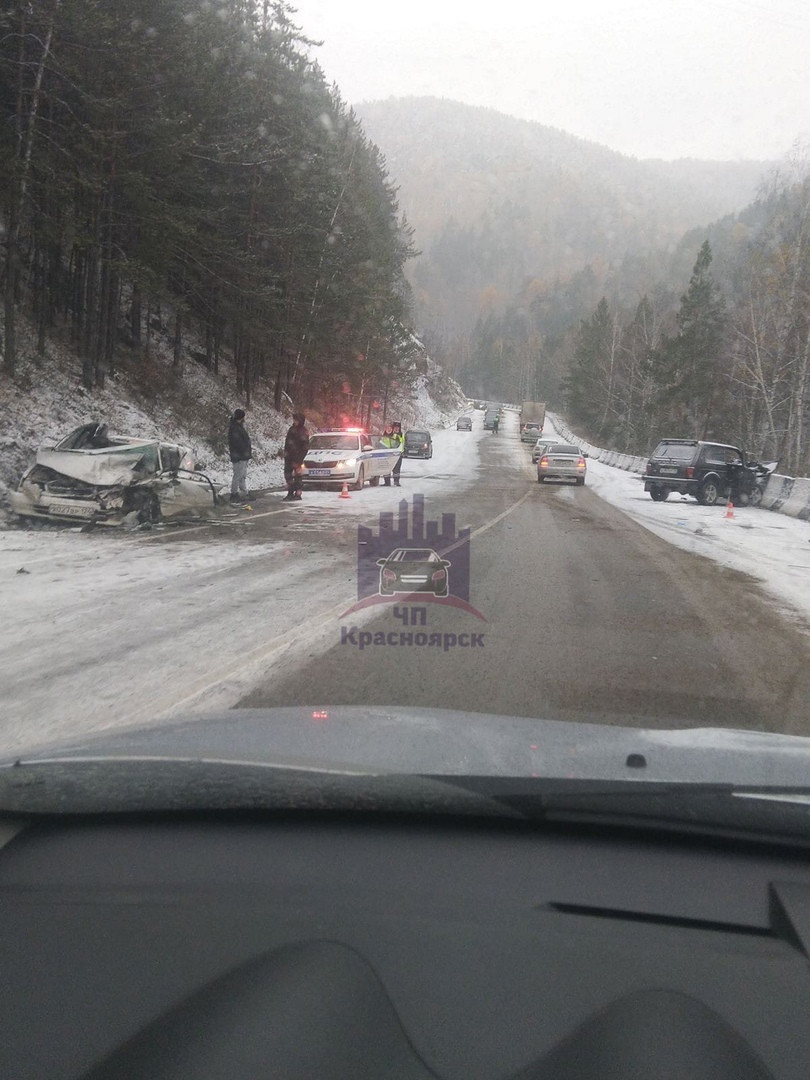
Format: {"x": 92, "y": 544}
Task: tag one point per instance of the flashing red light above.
{"x": 320, "y": 714}
{"x": 353, "y": 430}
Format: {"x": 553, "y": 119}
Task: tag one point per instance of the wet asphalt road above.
{"x": 587, "y": 617}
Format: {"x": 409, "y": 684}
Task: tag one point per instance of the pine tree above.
{"x": 589, "y": 386}
{"x": 689, "y": 366}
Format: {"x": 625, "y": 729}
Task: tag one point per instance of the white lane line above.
{"x": 307, "y": 632}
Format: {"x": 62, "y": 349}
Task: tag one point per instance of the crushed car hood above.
{"x": 109, "y": 467}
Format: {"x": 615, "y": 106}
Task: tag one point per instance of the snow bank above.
{"x": 772, "y": 548}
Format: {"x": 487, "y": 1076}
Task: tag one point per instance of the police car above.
{"x": 351, "y": 456}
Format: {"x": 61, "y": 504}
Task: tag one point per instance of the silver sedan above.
{"x": 540, "y": 448}
{"x": 562, "y": 461}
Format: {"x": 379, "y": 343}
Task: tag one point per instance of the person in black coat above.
{"x": 296, "y": 446}
{"x": 241, "y": 452}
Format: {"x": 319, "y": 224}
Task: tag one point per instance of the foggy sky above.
{"x": 720, "y": 79}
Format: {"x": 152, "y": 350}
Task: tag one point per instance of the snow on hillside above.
{"x": 147, "y": 399}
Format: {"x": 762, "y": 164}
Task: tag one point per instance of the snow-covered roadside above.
{"x": 46, "y": 402}
{"x": 112, "y": 627}
{"x": 773, "y": 548}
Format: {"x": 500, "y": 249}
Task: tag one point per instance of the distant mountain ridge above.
{"x": 496, "y": 201}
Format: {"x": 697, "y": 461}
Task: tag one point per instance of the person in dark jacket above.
{"x": 296, "y": 446}
{"x": 241, "y": 452}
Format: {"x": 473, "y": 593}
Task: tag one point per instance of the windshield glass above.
{"x": 333, "y": 442}
{"x": 363, "y": 271}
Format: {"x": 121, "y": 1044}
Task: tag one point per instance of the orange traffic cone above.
{"x": 345, "y": 493}
{"x": 730, "y": 510}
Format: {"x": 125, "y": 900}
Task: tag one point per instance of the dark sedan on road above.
{"x": 464, "y": 423}
{"x": 413, "y": 570}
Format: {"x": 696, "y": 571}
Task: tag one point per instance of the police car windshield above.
{"x": 333, "y": 442}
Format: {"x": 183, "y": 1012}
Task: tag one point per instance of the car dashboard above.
{"x": 349, "y": 946}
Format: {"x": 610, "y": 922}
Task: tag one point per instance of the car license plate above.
{"x": 71, "y": 511}
{"x": 319, "y": 472}
{"x": 669, "y": 470}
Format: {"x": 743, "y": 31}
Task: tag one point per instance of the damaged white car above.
{"x": 106, "y": 479}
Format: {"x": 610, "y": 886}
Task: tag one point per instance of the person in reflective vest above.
{"x": 390, "y": 439}
{"x": 399, "y": 440}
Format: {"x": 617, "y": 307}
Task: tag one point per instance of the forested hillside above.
{"x": 641, "y": 297}
{"x": 500, "y": 205}
{"x": 731, "y": 358}
{"x": 161, "y": 162}
{"x": 190, "y": 172}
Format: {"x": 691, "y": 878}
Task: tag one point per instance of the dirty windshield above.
{"x": 302, "y": 285}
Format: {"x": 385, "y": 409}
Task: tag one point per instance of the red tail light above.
{"x": 543, "y": 462}
{"x": 581, "y": 463}
{"x": 690, "y": 472}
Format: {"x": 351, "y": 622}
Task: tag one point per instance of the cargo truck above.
{"x": 532, "y": 418}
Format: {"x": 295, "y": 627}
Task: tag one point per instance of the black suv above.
{"x": 704, "y": 469}
{"x": 417, "y": 444}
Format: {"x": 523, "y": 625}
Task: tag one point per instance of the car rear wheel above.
{"x": 540, "y": 479}
{"x": 708, "y": 493}
{"x": 580, "y": 480}
{"x": 659, "y": 494}
{"x": 755, "y": 498}
{"x": 361, "y": 480}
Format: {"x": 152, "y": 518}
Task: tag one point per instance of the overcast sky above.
{"x": 650, "y": 78}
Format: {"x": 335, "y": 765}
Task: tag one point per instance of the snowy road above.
{"x": 110, "y": 629}
{"x": 106, "y": 628}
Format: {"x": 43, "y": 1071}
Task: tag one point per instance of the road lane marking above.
{"x": 308, "y": 630}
